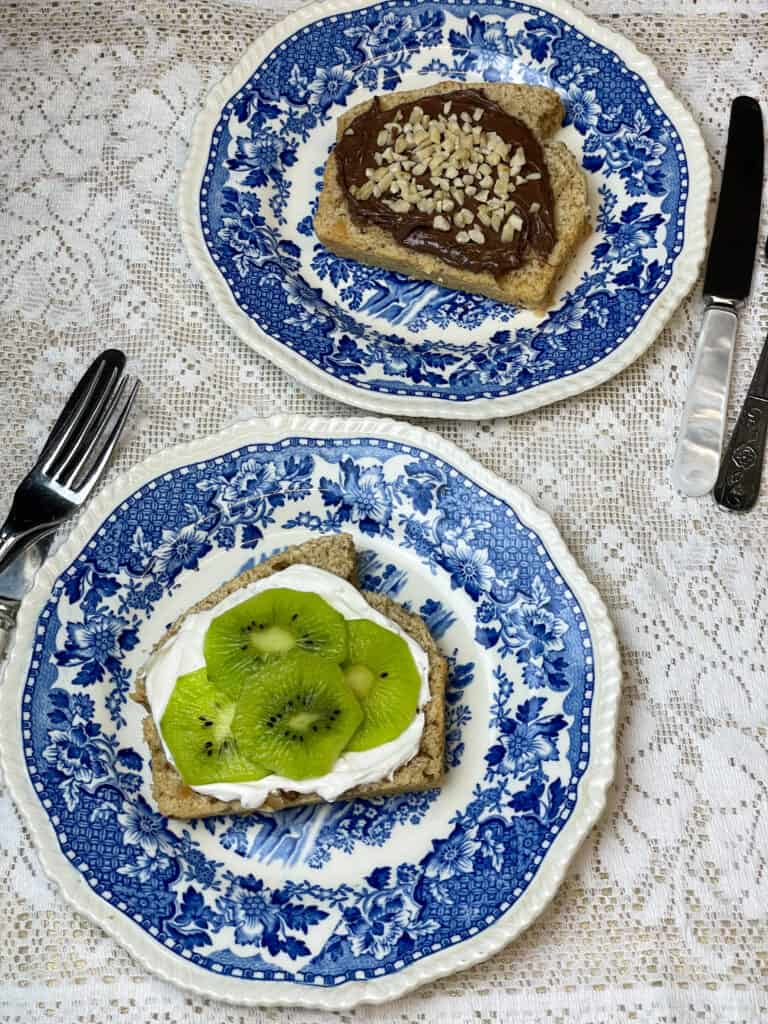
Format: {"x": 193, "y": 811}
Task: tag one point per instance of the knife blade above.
{"x": 727, "y": 282}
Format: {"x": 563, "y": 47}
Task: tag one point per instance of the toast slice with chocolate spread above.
{"x": 341, "y": 227}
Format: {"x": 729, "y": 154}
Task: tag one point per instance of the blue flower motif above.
{"x": 82, "y": 706}
{"x": 78, "y": 752}
{"x": 470, "y": 567}
{"x": 628, "y": 236}
{"x": 95, "y": 645}
{"x": 145, "y": 828}
{"x": 487, "y": 48}
{"x": 528, "y": 744}
{"x": 248, "y": 238}
{"x": 363, "y": 494}
{"x": 379, "y": 921}
{"x": 257, "y": 155}
{"x": 331, "y": 85}
{"x": 252, "y": 481}
{"x": 535, "y": 629}
{"x": 387, "y": 35}
{"x": 388, "y": 40}
{"x": 266, "y": 918}
{"x": 309, "y": 312}
{"x": 583, "y": 107}
{"x": 636, "y": 155}
{"x": 181, "y": 549}
{"x": 145, "y": 866}
{"x": 527, "y": 740}
{"x": 250, "y": 910}
{"x": 452, "y": 855}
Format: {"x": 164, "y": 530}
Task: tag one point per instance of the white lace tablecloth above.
{"x": 663, "y": 918}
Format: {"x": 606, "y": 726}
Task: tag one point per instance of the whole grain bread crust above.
{"x": 425, "y": 771}
{"x": 532, "y": 284}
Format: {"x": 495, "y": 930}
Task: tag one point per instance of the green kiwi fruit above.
{"x": 382, "y": 674}
{"x": 269, "y": 626}
{"x": 300, "y": 715}
{"x": 201, "y": 727}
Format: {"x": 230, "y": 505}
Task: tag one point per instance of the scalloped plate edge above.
{"x": 684, "y": 274}
{"x": 147, "y": 951}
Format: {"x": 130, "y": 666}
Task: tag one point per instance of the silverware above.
{"x": 16, "y": 581}
{"x": 726, "y": 284}
{"x": 69, "y": 466}
{"x": 738, "y": 484}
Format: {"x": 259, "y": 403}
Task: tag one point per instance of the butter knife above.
{"x": 738, "y": 484}
{"x": 727, "y": 281}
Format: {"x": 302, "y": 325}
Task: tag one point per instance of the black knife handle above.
{"x": 738, "y": 483}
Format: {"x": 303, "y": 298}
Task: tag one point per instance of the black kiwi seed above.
{"x": 294, "y": 616}
{"x": 383, "y": 675}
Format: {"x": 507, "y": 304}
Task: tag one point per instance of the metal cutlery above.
{"x": 726, "y": 284}
{"x": 69, "y": 466}
{"x": 738, "y": 484}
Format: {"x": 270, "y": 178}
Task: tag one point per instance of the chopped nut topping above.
{"x": 446, "y": 166}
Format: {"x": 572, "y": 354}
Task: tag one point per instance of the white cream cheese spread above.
{"x": 183, "y": 653}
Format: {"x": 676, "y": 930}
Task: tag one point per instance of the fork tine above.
{"x": 90, "y": 434}
{"x": 89, "y": 429}
{"x": 67, "y": 428}
{"x": 77, "y": 402}
{"x": 71, "y": 415}
{"x": 100, "y": 449}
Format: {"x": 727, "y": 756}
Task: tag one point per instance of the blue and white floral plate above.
{"x": 344, "y": 903}
{"x": 379, "y": 340}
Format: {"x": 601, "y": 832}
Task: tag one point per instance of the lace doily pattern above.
{"x": 662, "y": 917}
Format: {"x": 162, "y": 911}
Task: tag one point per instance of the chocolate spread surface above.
{"x": 416, "y": 169}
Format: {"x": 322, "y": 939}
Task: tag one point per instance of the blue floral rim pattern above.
{"x": 377, "y": 334}
{"x": 251, "y": 898}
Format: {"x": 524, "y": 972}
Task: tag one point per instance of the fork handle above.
{"x": 15, "y": 540}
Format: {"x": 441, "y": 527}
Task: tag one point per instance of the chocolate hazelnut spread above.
{"x": 453, "y": 175}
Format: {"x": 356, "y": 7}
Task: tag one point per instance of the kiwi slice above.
{"x": 381, "y": 672}
{"x": 267, "y": 627}
{"x": 200, "y": 726}
{"x": 300, "y": 715}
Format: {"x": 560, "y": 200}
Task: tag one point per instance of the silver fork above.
{"x": 68, "y": 468}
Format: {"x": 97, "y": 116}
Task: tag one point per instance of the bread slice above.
{"x": 335, "y": 554}
{"x": 532, "y": 284}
